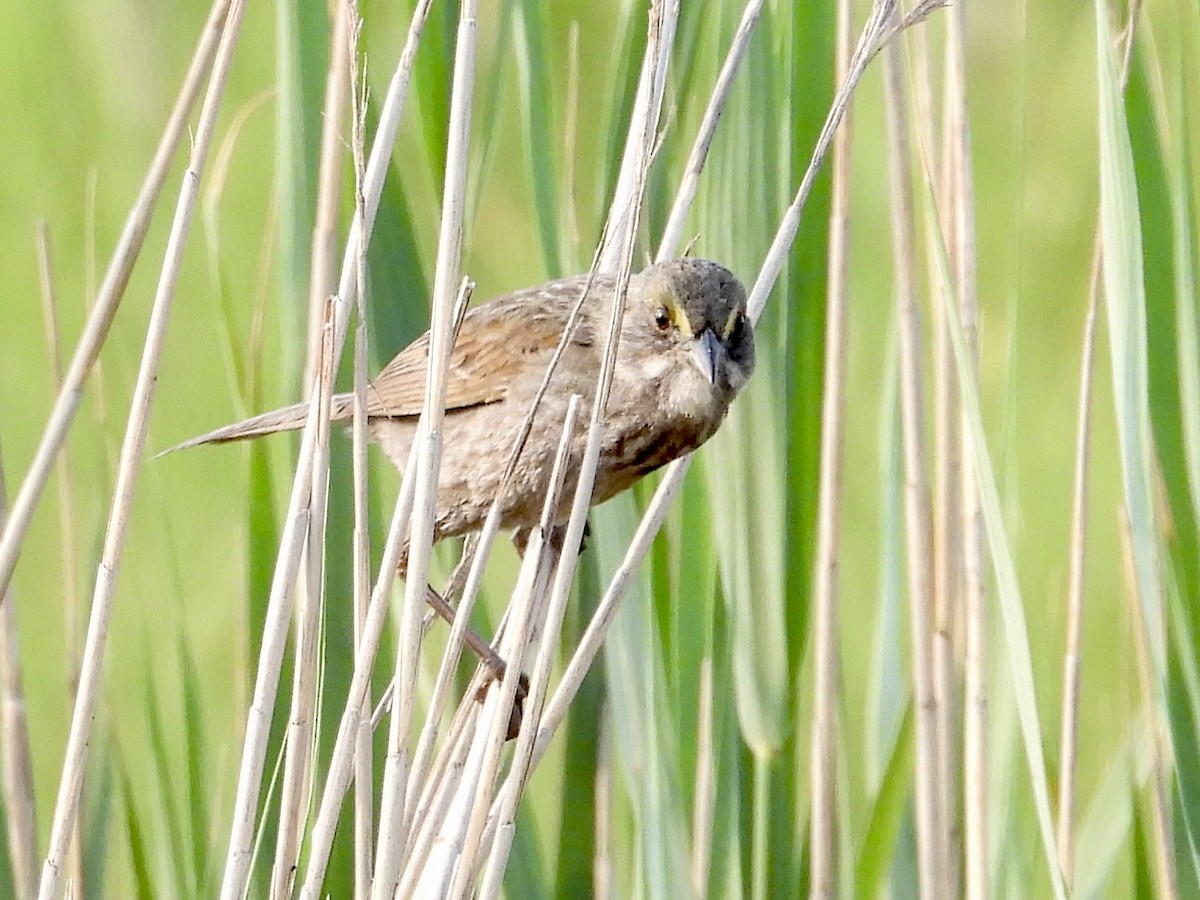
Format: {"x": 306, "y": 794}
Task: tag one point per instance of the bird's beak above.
{"x": 706, "y": 354}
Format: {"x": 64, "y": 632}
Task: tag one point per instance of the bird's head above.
{"x": 691, "y": 313}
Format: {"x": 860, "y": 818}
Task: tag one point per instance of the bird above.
{"x": 685, "y": 351}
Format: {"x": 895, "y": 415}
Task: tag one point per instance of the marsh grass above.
{"x": 818, "y": 662}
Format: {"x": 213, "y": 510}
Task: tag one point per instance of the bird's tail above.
{"x": 287, "y": 419}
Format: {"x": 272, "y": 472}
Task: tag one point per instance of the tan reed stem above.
{"x": 823, "y": 754}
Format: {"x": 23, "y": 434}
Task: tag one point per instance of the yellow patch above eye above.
{"x": 730, "y": 325}
{"x": 678, "y": 317}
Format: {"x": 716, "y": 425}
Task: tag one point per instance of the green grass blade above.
{"x": 1125, "y": 302}
{"x": 537, "y": 103}
{"x": 888, "y": 808}
{"x": 301, "y": 62}
{"x": 140, "y": 850}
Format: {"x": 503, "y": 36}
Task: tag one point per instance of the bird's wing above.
{"x": 498, "y": 344}
{"x": 496, "y": 347}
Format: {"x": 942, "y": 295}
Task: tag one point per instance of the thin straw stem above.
{"x": 877, "y": 30}
{"x": 961, "y": 202}
{"x": 16, "y": 763}
{"x": 349, "y": 29}
{"x": 822, "y": 762}
{"x": 948, "y": 562}
{"x": 930, "y": 835}
{"x": 296, "y": 788}
{"x": 67, "y": 517}
{"x": 321, "y": 277}
{"x": 1077, "y": 552}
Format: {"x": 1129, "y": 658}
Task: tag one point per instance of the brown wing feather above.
{"x": 496, "y": 346}
{"x": 498, "y": 343}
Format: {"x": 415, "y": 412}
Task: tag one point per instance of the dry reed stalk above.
{"x": 960, "y": 203}
{"x": 16, "y": 763}
{"x": 880, "y": 27}
{"x": 133, "y": 445}
{"x": 104, "y": 309}
{"x": 349, "y": 29}
{"x": 66, "y": 498}
{"x": 949, "y": 578}
{"x": 394, "y": 817}
{"x": 823, "y": 758}
{"x": 296, "y": 789}
{"x": 1077, "y": 552}
{"x": 274, "y": 636}
{"x": 931, "y": 852}
{"x": 341, "y": 763}
{"x": 518, "y": 637}
{"x": 67, "y": 517}
{"x": 647, "y": 104}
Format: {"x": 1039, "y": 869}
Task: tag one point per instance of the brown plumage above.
{"x": 686, "y": 349}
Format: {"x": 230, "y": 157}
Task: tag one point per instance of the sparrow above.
{"x": 686, "y": 348}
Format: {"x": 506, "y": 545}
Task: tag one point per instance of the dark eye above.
{"x": 662, "y": 318}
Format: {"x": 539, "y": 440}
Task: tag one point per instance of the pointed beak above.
{"x": 706, "y": 354}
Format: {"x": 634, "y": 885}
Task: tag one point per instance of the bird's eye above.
{"x": 662, "y": 318}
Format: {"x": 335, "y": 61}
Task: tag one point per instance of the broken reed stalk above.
{"x": 66, "y": 806}
{"x": 295, "y": 793}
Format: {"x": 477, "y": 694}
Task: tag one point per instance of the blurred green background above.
{"x": 85, "y": 90}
